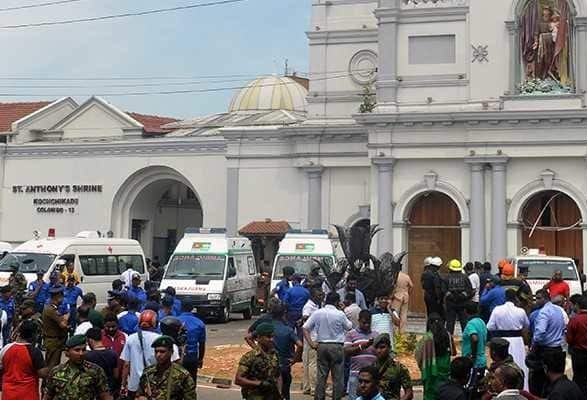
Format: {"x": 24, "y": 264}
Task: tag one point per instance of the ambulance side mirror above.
{"x": 583, "y": 277}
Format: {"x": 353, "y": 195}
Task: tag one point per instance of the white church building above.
{"x": 476, "y": 147}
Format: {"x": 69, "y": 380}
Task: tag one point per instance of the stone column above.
{"x": 477, "y": 211}
{"x": 384, "y": 204}
{"x": 387, "y": 17}
{"x": 232, "y": 175}
{"x": 515, "y": 58}
{"x": 498, "y": 210}
{"x": 314, "y": 197}
{"x": 581, "y": 61}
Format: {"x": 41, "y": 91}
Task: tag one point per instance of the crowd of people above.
{"x": 145, "y": 344}
{"x": 528, "y": 335}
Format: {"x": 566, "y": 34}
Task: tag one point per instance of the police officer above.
{"x": 55, "y": 327}
{"x": 77, "y": 378}
{"x": 38, "y": 290}
{"x": 7, "y": 305}
{"x": 195, "y": 346}
{"x": 166, "y": 380}
{"x": 258, "y": 370}
{"x": 17, "y": 282}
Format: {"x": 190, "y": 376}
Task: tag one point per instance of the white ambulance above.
{"x": 97, "y": 260}
{"x": 299, "y": 249}
{"x": 216, "y": 271}
{"x": 541, "y": 267}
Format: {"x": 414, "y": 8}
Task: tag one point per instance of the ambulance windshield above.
{"x": 27, "y": 262}
{"x": 301, "y": 264}
{"x": 543, "y": 269}
{"x": 192, "y": 266}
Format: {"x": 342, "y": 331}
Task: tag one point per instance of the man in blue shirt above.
{"x": 295, "y": 299}
{"x": 166, "y": 309}
{"x": 493, "y": 295}
{"x": 71, "y": 292}
{"x": 128, "y": 321}
{"x": 195, "y": 346}
{"x": 542, "y": 298}
{"x": 7, "y": 304}
{"x": 170, "y": 291}
{"x": 135, "y": 290}
{"x": 549, "y": 329}
{"x": 283, "y": 285}
{"x": 39, "y": 291}
{"x": 55, "y": 282}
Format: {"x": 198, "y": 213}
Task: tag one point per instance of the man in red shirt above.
{"x": 577, "y": 340}
{"x": 22, "y": 365}
{"x": 113, "y": 338}
{"x": 557, "y": 286}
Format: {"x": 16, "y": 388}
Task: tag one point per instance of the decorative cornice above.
{"x": 184, "y": 147}
{"x": 350, "y": 36}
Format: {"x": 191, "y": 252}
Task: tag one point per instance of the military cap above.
{"x": 76, "y": 340}
{"x": 499, "y": 344}
{"x": 264, "y": 329}
{"x": 167, "y": 301}
{"x": 40, "y": 272}
{"x": 163, "y": 341}
{"x": 381, "y": 339}
{"x": 54, "y": 274}
{"x": 5, "y": 289}
{"x": 56, "y": 290}
{"x": 28, "y": 303}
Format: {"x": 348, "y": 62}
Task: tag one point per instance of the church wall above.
{"x": 348, "y": 189}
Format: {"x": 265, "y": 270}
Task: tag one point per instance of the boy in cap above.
{"x": 394, "y": 376}
{"x": 77, "y": 378}
{"x": 258, "y": 370}
{"x": 166, "y": 380}
{"x": 55, "y": 327}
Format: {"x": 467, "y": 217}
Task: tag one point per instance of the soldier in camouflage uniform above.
{"x": 28, "y": 313}
{"x": 499, "y": 351}
{"x": 258, "y": 371}
{"x": 394, "y": 376}
{"x": 77, "y": 379}
{"x": 18, "y": 283}
{"x": 166, "y": 380}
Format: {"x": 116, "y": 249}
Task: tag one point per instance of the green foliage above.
{"x": 539, "y": 86}
{"x": 405, "y": 343}
{"x": 369, "y": 102}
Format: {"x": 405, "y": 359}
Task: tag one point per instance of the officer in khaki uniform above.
{"x": 55, "y": 327}
{"x": 77, "y": 379}
{"x": 258, "y": 370}
{"x": 166, "y": 380}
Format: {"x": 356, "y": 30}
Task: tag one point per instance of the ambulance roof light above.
{"x": 51, "y": 233}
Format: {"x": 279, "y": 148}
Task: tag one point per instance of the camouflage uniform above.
{"x": 261, "y": 366}
{"x": 69, "y": 381}
{"x": 175, "y": 383}
{"x": 394, "y": 377}
{"x": 36, "y": 318}
{"x": 488, "y": 379}
{"x": 18, "y": 283}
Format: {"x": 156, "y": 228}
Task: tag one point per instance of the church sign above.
{"x": 56, "y": 205}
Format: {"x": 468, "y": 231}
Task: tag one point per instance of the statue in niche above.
{"x": 545, "y": 27}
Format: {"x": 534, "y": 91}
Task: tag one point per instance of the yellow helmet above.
{"x": 455, "y": 265}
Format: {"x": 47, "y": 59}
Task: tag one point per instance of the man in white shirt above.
{"x": 126, "y": 276}
{"x": 138, "y": 354}
{"x": 508, "y": 321}
{"x": 475, "y": 281}
{"x": 309, "y": 356}
{"x": 84, "y": 324}
{"x": 329, "y": 325}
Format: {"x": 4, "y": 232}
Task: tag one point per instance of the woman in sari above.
{"x": 433, "y": 353}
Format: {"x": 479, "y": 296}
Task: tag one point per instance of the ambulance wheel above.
{"x": 247, "y": 312}
{"x": 225, "y": 315}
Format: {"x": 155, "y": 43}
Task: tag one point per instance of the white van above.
{"x": 98, "y": 261}
{"x": 541, "y": 267}
{"x": 299, "y": 249}
{"x": 216, "y": 271}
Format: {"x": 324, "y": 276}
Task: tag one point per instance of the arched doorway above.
{"x": 154, "y": 206}
{"x": 433, "y": 230}
{"x": 552, "y": 220}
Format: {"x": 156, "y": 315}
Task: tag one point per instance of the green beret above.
{"x": 499, "y": 344}
{"x": 163, "y": 341}
{"x": 264, "y": 329}
{"x": 76, "y": 340}
{"x": 28, "y": 303}
{"x": 382, "y": 339}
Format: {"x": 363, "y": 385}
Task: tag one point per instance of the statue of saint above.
{"x": 545, "y": 41}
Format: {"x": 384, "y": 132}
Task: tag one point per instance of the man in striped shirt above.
{"x": 359, "y": 346}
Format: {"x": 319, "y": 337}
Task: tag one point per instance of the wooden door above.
{"x": 558, "y": 228}
{"x": 434, "y": 230}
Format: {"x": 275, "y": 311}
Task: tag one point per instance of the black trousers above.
{"x": 579, "y": 359}
{"x": 454, "y": 311}
{"x": 434, "y": 306}
{"x": 285, "y": 382}
{"x": 537, "y": 379}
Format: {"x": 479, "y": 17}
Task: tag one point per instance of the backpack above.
{"x": 459, "y": 288}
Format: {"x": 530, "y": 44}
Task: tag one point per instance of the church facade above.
{"x": 472, "y": 146}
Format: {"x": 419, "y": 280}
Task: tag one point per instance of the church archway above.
{"x": 552, "y": 220}
{"x": 154, "y": 206}
{"x": 433, "y": 230}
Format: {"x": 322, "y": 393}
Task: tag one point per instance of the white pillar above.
{"x": 385, "y": 204}
{"x": 314, "y": 197}
{"x": 477, "y": 211}
{"x": 387, "y": 20}
{"x": 498, "y": 211}
{"x": 232, "y": 175}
